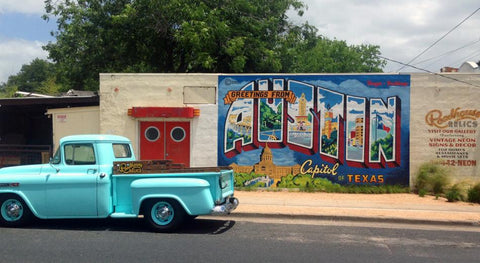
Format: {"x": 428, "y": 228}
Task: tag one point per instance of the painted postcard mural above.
{"x": 312, "y": 130}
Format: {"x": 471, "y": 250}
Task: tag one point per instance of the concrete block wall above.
{"x": 437, "y": 101}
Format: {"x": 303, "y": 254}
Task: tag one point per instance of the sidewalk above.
{"x": 406, "y": 208}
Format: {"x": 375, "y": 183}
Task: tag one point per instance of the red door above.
{"x": 165, "y": 141}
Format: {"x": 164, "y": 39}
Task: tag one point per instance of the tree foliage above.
{"x": 242, "y": 36}
{"x": 38, "y": 76}
{"x": 325, "y": 56}
{"x": 7, "y": 91}
{"x": 165, "y": 36}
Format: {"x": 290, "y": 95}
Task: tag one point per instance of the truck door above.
{"x": 72, "y": 191}
{"x": 165, "y": 141}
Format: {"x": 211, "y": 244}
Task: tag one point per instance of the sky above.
{"x": 402, "y": 30}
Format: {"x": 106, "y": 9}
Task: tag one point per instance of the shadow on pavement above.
{"x": 197, "y": 226}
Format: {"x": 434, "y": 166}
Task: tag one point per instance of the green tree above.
{"x": 96, "y": 36}
{"x": 242, "y": 36}
{"x": 38, "y": 76}
{"x": 7, "y": 91}
{"x": 319, "y": 54}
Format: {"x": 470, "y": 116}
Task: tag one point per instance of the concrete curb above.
{"x": 356, "y": 219}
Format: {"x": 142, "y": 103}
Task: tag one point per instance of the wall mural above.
{"x": 311, "y": 130}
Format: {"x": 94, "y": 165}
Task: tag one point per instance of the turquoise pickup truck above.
{"x": 97, "y": 176}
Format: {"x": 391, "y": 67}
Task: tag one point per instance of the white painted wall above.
{"x": 120, "y": 92}
{"x": 76, "y": 120}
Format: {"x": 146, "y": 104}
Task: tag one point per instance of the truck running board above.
{"x": 124, "y": 215}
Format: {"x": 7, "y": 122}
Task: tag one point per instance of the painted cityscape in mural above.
{"x": 297, "y": 131}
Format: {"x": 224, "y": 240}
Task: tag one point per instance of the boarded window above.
{"x": 199, "y": 95}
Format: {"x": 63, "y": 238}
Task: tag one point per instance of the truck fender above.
{"x": 25, "y": 199}
{"x": 193, "y": 194}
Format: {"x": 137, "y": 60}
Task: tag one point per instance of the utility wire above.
{"x": 467, "y": 57}
{"x": 447, "y": 53}
{"x": 457, "y": 63}
{"x": 455, "y": 27}
{"x": 431, "y": 72}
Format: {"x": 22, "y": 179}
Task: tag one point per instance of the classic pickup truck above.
{"x": 97, "y": 176}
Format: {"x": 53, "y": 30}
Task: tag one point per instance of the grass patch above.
{"x": 432, "y": 178}
{"x": 456, "y": 193}
{"x": 474, "y": 194}
{"x": 336, "y": 188}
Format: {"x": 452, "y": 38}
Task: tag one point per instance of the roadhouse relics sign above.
{"x": 452, "y": 135}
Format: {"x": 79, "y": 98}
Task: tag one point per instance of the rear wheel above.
{"x": 13, "y": 211}
{"x": 164, "y": 215}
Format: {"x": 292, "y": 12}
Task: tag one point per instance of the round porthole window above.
{"x": 152, "y": 134}
{"x": 178, "y": 134}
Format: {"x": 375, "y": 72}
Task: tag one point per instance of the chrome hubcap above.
{"x": 163, "y": 213}
{"x": 13, "y": 210}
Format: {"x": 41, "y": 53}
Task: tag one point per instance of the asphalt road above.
{"x": 210, "y": 239}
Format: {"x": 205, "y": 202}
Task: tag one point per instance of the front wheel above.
{"x": 13, "y": 211}
{"x": 164, "y": 215}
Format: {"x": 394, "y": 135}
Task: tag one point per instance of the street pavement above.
{"x": 402, "y": 208}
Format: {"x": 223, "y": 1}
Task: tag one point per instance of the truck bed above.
{"x": 168, "y": 179}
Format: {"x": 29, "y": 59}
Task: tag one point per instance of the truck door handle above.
{"x": 91, "y": 171}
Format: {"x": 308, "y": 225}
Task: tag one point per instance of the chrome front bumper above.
{"x": 226, "y": 208}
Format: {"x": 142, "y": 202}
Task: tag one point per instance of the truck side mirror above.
{"x": 52, "y": 162}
